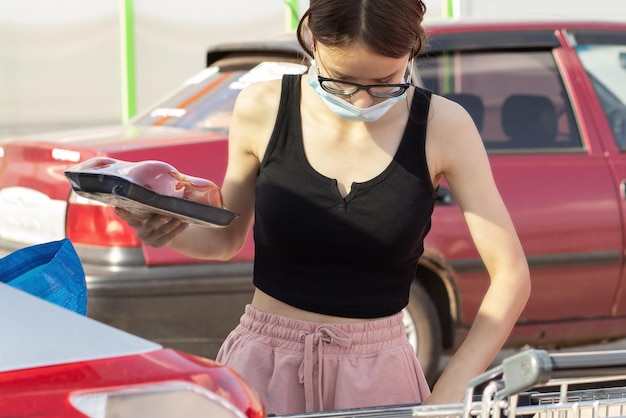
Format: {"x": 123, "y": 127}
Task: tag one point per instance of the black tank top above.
{"x": 351, "y": 257}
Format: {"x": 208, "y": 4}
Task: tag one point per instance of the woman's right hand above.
{"x": 153, "y": 229}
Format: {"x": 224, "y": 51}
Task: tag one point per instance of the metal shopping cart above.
{"x": 530, "y": 384}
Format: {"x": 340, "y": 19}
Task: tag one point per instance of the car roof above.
{"x": 462, "y": 34}
{"x": 476, "y": 34}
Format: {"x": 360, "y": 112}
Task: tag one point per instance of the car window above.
{"x": 516, "y": 98}
{"x": 207, "y": 99}
{"x": 606, "y": 66}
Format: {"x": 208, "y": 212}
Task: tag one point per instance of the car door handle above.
{"x": 622, "y": 189}
{"x": 444, "y": 197}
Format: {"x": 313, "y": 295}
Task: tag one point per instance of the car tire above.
{"x": 423, "y": 329}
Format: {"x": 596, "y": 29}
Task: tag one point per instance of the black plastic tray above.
{"x": 121, "y": 192}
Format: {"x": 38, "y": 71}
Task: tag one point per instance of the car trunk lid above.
{"x": 37, "y": 203}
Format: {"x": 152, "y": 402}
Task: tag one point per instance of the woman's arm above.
{"x": 251, "y": 126}
{"x": 457, "y": 154}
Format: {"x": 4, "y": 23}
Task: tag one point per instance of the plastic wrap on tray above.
{"x": 150, "y": 187}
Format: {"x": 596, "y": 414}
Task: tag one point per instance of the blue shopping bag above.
{"x": 51, "y": 271}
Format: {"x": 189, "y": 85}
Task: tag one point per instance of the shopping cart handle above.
{"x": 589, "y": 364}
{"x": 524, "y": 370}
{"x": 532, "y": 367}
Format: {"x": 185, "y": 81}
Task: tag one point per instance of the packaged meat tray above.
{"x": 150, "y": 187}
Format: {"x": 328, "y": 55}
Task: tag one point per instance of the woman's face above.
{"x": 358, "y": 65}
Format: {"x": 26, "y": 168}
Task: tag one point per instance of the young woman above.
{"x": 338, "y": 169}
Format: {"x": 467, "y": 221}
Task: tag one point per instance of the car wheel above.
{"x": 423, "y": 330}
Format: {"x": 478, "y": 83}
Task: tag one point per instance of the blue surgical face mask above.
{"x": 347, "y": 110}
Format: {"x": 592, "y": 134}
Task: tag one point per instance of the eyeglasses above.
{"x": 346, "y": 88}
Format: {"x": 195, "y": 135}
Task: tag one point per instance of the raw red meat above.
{"x": 201, "y": 190}
{"x": 157, "y": 176}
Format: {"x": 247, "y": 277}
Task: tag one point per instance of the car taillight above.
{"x": 93, "y": 223}
{"x": 159, "y": 400}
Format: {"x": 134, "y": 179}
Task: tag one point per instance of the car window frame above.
{"x": 542, "y": 42}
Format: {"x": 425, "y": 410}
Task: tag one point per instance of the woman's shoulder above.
{"x": 447, "y": 115}
{"x": 254, "y": 115}
{"x": 451, "y": 136}
{"x": 258, "y": 96}
{"x": 257, "y": 104}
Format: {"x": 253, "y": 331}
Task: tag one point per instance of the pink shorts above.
{"x": 299, "y": 366}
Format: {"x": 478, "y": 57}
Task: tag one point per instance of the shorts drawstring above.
{"x": 315, "y": 341}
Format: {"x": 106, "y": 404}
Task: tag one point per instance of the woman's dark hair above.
{"x": 392, "y": 28}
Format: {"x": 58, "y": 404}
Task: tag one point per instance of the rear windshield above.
{"x": 207, "y": 99}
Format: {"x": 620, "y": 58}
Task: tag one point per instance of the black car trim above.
{"x": 476, "y": 41}
{"x": 465, "y": 40}
{"x": 287, "y": 51}
{"x": 601, "y": 258}
{"x": 598, "y": 37}
{"x": 460, "y": 41}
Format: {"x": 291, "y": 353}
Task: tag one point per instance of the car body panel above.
{"x": 556, "y": 236}
{"x": 57, "y": 363}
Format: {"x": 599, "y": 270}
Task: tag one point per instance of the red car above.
{"x": 56, "y": 363}
{"x": 549, "y": 99}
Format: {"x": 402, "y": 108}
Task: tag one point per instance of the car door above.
{"x": 602, "y": 55}
{"x": 554, "y": 180}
